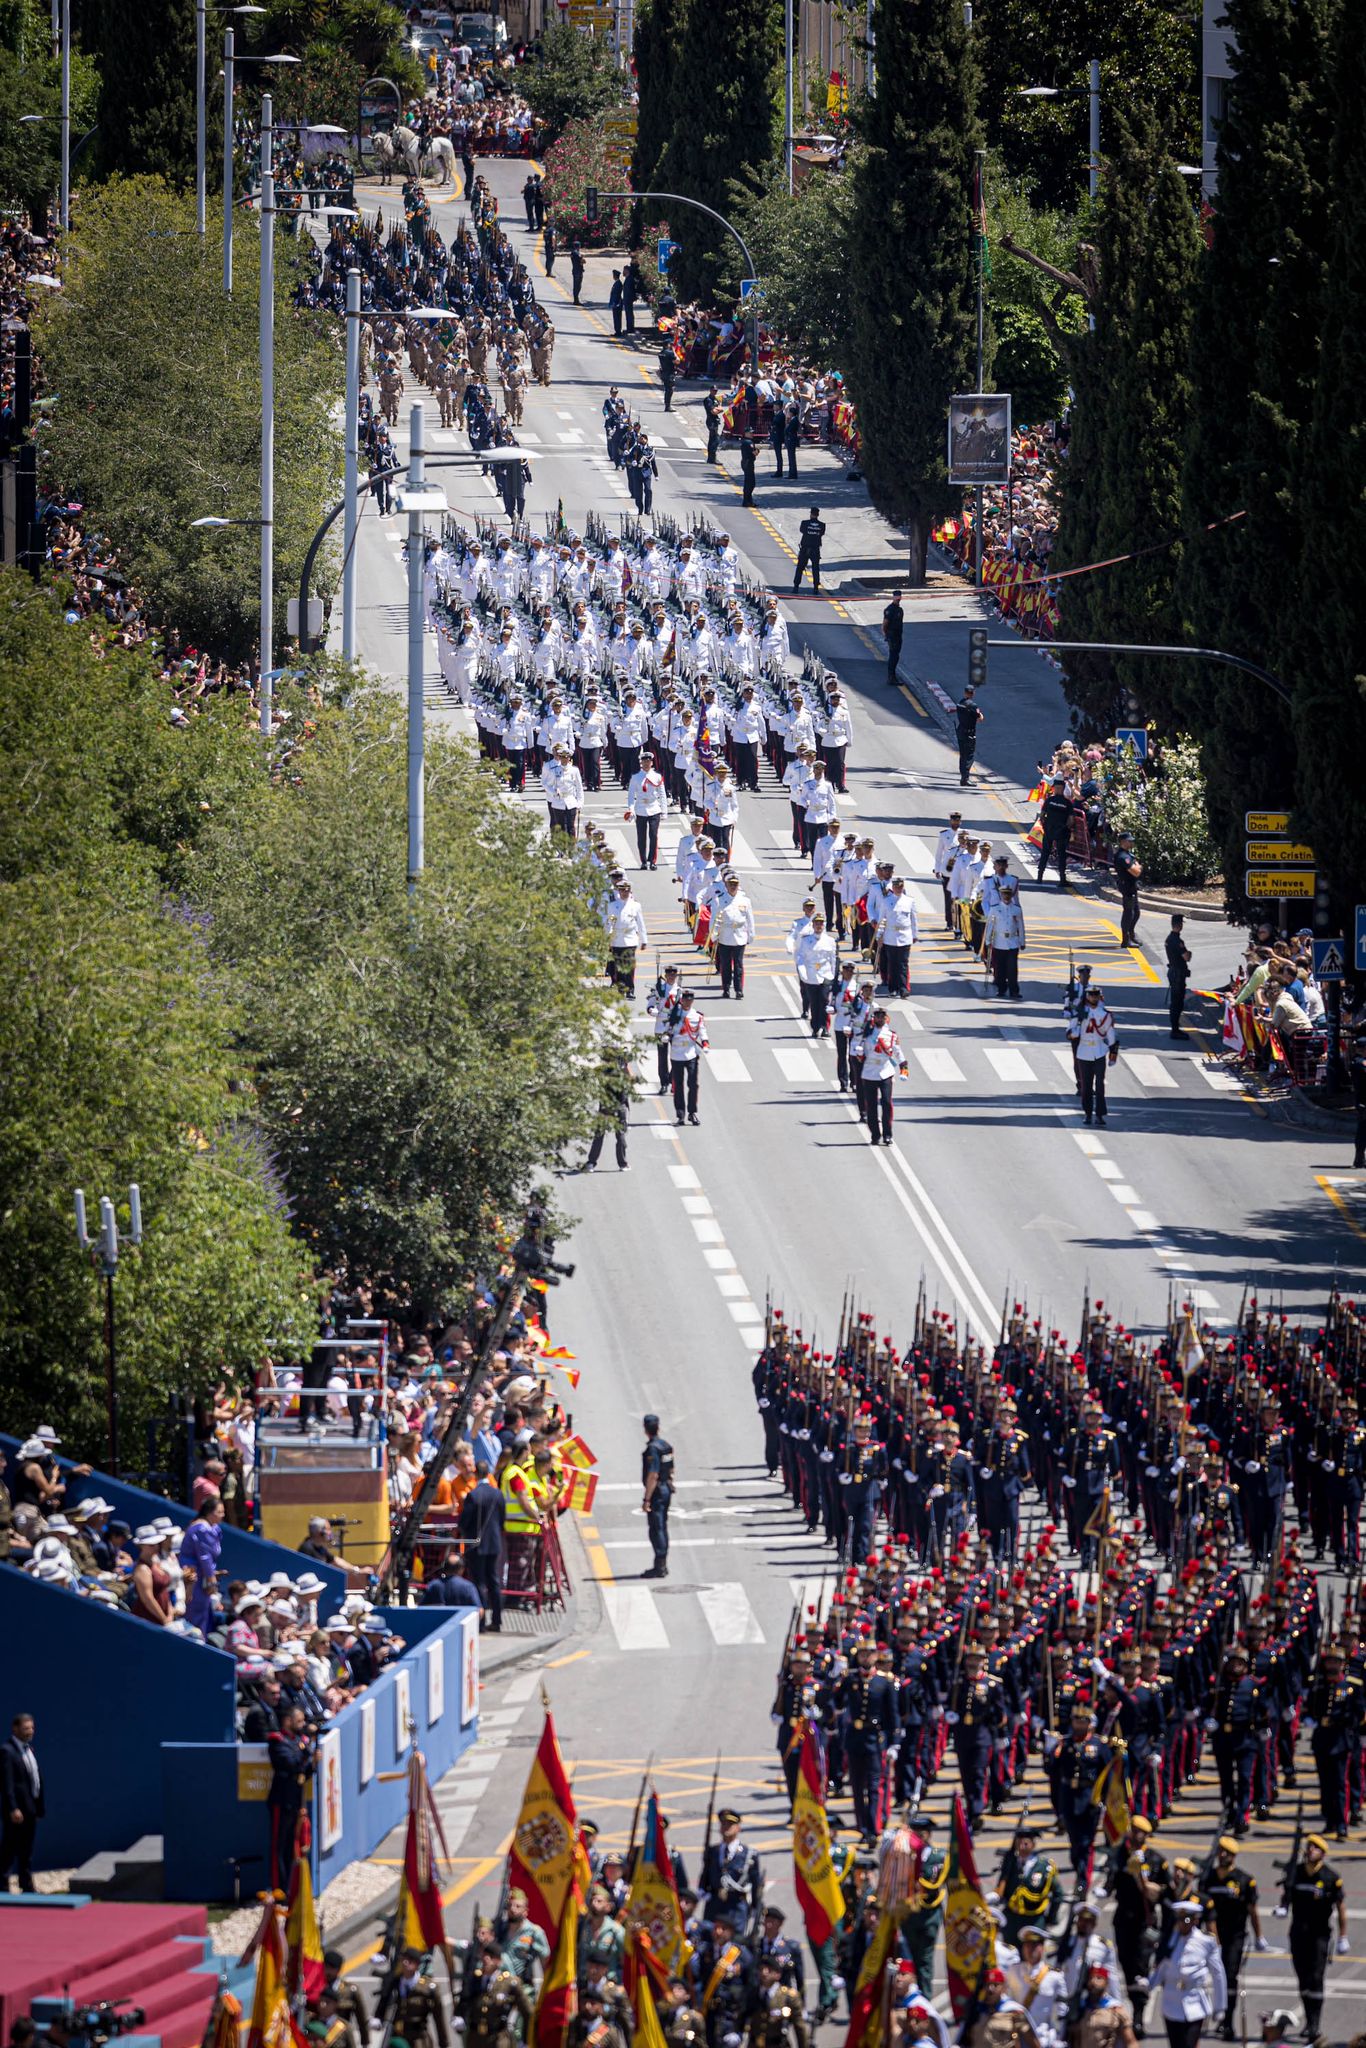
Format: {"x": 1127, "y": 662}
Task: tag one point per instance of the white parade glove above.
{"x": 1252, "y": 1466}
{"x": 951, "y": 1718}
{"x": 1342, "y": 1945}
{"x": 1068, "y": 1480}
{"x": 1279, "y": 1912}
{"x": 846, "y": 1478}
{"x": 1261, "y": 1945}
{"x": 1099, "y": 1666}
{"x": 1210, "y": 1724}
{"x": 936, "y": 1493}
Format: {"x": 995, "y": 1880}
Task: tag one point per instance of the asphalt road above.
{"x": 992, "y": 1190}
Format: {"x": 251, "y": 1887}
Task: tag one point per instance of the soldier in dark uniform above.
{"x": 410, "y": 2003}
{"x": 861, "y": 1477}
{"x": 291, "y": 1764}
{"x": 1074, "y": 1767}
{"x": 1027, "y": 1888}
{"x": 336, "y": 2032}
{"x": 772, "y": 1945}
{"x": 977, "y": 1715}
{"x": 778, "y": 2021}
{"x": 967, "y": 716}
{"x": 657, "y": 1480}
{"x": 601, "y": 2020}
{"x": 1002, "y": 1470}
{"x": 1315, "y": 1899}
{"x": 921, "y": 1927}
{"x": 867, "y": 1702}
{"x": 731, "y": 1880}
{"x": 1332, "y": 1707}
{"x": 350, "y": 2005}
{"x": 1347, "y": 1456}
{"x": 1139, "y": 1883}
{"x": 1091, "y": 1460}
{"x": 1230, "y": 1894}
{"x": 1127, "y": 872}
{"x": 1237, "y": 1722}
{"x": 791, "y": 1712}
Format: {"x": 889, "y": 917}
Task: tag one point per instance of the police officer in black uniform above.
{"x": 1056, "y": 820}
{"x": 967, "y": 717}
{"x": 1230, "y": 1893}
{"x": 1315, "y": 1896}
{"x": 711, "y": 412}
{"x": 812, "y": 533}
{"x": 657, "y": 1479}
{"x": 1127, "y": 872}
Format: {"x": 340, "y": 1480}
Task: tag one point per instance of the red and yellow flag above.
{"x": 420, "y": 1919}
{"x": 818, "y": 1888}
{"x": 1111, "y": 1795}
{"x": 558, "y": 2004}
{"x": 227, "y": 2022}
{"x": 647, "y": 1983}
{"x": 969, "y": 1930}
{"x": 306, "y": 1972}
{"x": 865, "y": 2007}
{"x": 544, "y": 1857}
{"x": 652, "y": 1909}
{"x": 574, "y": 1451}
{"x": 271, "y": 2026}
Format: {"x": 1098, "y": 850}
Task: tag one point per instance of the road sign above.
{"x": 747, "y": 285}
{"x": 1262, "y": 822}
{"x": 1277, "y": 882}
{"x": 666, "y": 249}
{"x": 1285, "y": 853}
{"x": 1361, "y": 938}
{"x": 1135, "y": 736}
{"x": 1330, "y": 959}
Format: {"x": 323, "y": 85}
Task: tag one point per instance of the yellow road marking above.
{"x": 483, "y": 1869}
{"x": 913, "y": 700}
{"x": 574, "y": 1655}
{"x": 1338, "y": 1203}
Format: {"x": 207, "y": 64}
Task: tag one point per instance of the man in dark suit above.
{"x": 481, "y": 1529}
{"x": 21, "y": 1787}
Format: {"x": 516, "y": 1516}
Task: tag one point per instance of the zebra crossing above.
{"x": 722, "y": 1612}
{"x": 995, "y": 1069}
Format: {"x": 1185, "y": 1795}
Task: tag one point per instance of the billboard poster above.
{"x": 979, "y": 438}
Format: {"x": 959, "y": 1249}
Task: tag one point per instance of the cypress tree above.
{"x": 1329, "y": 711}
{"x": 656, "y": 56}
{"x": 723, "y": 131}
{"x": 1122, "y": 483}
{"x": 912, "y": 260}
{"x": 1254, "y": 360}
{"x": 147, "y": 111}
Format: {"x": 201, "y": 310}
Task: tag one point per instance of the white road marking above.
{"x": 684, "y": 1176}
{"x": 697, "y": 1205}
{"x": 914, "y": 852}
{"x": 719, "y": 1259}
{"x": 1063, "y": 1055}
{"x": 730, "y": 1617}
{"x": 938, "y": 1063}
{"x": 1218, "y": 1080}
{"x": 636, "y": 1622}
{"x": 1107, "y": 1169}
{"x": 733, "y": 1284}
{"x": 1144, "y": 1219}
{"x": 726, "y": 1065}
{"x": 1008, "y": 1065}
{"x": 572, "y": 439}
{"x": 798, "y": 1067}
{"x": 1148, "y": 1069}
{"x": 663, "y": 1130}
{"x": 1093, "y": 1147}
{"x": 523, "y": 1684}
{"x": 708, "y": 1230}
{"x": 1127, "y": 1197}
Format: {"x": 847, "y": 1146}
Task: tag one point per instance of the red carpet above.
{"x": 116, "y": 1952}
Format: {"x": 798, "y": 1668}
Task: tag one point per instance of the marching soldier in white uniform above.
{"x": 687, "y": 1042}
{"x": 732, "y": 927}
{"x": 1190, "y": 1977}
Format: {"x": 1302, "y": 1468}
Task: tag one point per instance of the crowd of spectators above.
{"x": 1276, "y": 1012}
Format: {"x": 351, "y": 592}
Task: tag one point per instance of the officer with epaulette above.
{"x": 920, "y": 1929}
{"x": 349, "y": 2003}
{"x": 336, "y": 2033}
{"x": 866, "y": 1699}
{"x": 1148, "y": 1750}
{"x": 728, "y": 1990}
{"x": 1027, "y": 1888}
{"x": 792, "y": 1711}
{"x": 1331, "y": 1715}
{"x": 1073, "y": 1767}
{"x": 731, "y": 1879}
{"x": 960, "y": 1483}
{"x": 976, "y": 1713}
{"x": 683, "y": 2024}
{"x": 1235, "y": 1725}
{"x": 772, "y": 1945}
{"x": 1092, "y": 1462}
{"x": 411, "y": 2004}
{"x": 1230, "y": 1894}
{"x": 657, "y": 1482}
{"x": 1347, "y": 1453}
{"x": 915, "y": 1706}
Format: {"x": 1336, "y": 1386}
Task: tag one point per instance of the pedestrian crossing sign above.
{"x": 1330, "y": 959}
{"x": 747, "y": 285}
{"x": 1135, "y": 736}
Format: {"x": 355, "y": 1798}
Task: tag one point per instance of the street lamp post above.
{"x": 417, "y": 549}
{"x": 201, "y": 107}
{"x": 267, "y": 337}
{"x": 104, "y": 1252}
{"x": 230, "y": 62}
{"x": 352, "y": 466}
{"x": 787, "y": 92}
{"x": 1092, "y": 91}
{"x": 66, "y": 116}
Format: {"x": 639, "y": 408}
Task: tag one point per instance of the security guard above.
{"x": 1231, "y": 1895}
{"x": 657, "y": 1479}
{"x": 1315, "y": 1891}
{"x": 412, "y": 2004}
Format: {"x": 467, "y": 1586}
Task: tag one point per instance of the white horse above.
{"x": 402, "y": 145}
{"x": 439, "y": 162}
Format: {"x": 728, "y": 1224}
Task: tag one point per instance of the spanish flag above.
{"x": 580, "y": 1489}
{"x": 420, "y": 1920}
{"x": 969, "y": 1930}
{"x": 574, "y": 1451}
{"x": 271, "y": 2025}
{"x": 306, "y": 1973}
{"x": 652, "y": 1908}
{"x": 544, "y": 1858}
{"x": 865, "y": 2007}
{"x": 818, "y": 1888}
{"x": 558, "y": 2004}
{"x": 1111, "y": 1795}
{"x": 647, "y": 1982}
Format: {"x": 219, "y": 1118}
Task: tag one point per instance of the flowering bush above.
{"x": 1165, "y": 808}
{"x": 580, "y": 158}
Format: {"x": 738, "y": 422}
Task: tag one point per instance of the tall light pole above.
{"x": 1093, "y": 94}
{"x": 104, "y": 1251}
{"x": 267, "y": 336}
{"x": 230, "y": 62}
{"x": 66, "y": 116}
{"x": 417, "y": 566}
{"x": 201, "y": 107}
{"x": 787, "y": 92}
{"x": 351, "y": 477}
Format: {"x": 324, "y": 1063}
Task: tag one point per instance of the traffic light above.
{"x": 977, "y": 656}
{"x": 590, "y": 205}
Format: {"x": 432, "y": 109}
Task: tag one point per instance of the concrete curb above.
{"x": 1295, "y": 1107}
{"x": 1198, "y": 913}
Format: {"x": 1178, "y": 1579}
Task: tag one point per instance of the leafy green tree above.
{"x": 1122, "y": 484}
{"x": 912, "y": 260}
{"x": 30, "y": 151}
{"x": 1255, "y": 359}
{"x": 799, "y": 250}
{"x": 723, "y": 134}
{"x": 166, "y": 427}
{"x": 658, "y": 25}
{"x": 1149, "y": 52}
{"x": 419, "y": 1058}
{"x": 575, "y": 79}
{"x": 1032, "y": 318}
{"x": 1329, "y": 713}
